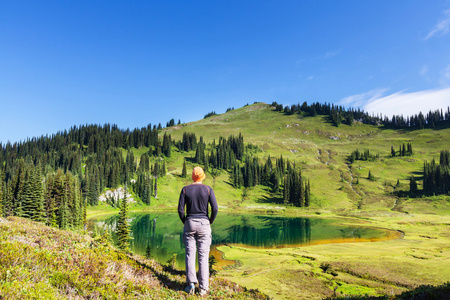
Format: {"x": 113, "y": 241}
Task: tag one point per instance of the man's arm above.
{"x": 181, "y": 203}
{"x": 214, "y": 206}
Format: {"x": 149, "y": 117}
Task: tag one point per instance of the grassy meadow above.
{"x": 338, "y": 189}
{"x": 49, "y": 263}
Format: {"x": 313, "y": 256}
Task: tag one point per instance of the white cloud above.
{"x": 310, "y": 77}
{"x": 359, "y": 100}
{"x": 441, "y": 28}
{"x": 409, "y": 104}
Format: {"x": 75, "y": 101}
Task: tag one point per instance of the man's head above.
{"x": 198, "y": 175}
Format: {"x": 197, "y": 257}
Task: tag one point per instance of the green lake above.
{"x": 163, "y": 233}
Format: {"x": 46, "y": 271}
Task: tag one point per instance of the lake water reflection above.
{"x": 163, "y": 232}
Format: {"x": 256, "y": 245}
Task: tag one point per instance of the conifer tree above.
{"x": 123, "y": 229}
{"x": 167, "y": 145}
{"x": 301, "y": 192}
{"x": 163, "y": 169}
{"x": 184, "y": 171}
{"x": 307, "y": 194}
{"x": 64, "y": 211}
{"x": 286, "y": 191}
{"x": 412, "y": 186}
{"x": 8, "y": 200}
{"x": 144, "y": 164}
{"x": 84, "y": 213}
{"x": 1, "y": 192}
{"x": 148, "y": 252}
{"x": 130, "y": 164}
{"x": 27, "y": 196}
{"x": 276, "y": 184}
{"x": 18, "y": 188}
{"x": 37, "y": 196}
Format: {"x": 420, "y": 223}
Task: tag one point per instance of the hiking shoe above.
{"x": 203, "y": 292}
{"x": 190, "y": 289}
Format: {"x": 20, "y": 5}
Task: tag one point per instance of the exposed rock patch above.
{"x": 116, "y": 195}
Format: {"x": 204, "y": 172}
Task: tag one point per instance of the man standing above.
{"x": 197, "y": 229}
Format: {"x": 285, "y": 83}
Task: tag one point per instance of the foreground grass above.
{"x": 40, "y": 262}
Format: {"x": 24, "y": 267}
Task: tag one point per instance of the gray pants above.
{"x": 197, "y": 233}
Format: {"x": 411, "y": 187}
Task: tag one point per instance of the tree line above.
{"x": 436, "y": 177}
{"x": 364, "y": 156}
{"x": 338, "y": 114}
{"x": 53, "y": 178}
{"x": 233, "y": 155}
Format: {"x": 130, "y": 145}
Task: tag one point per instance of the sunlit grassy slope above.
{"x": 40, "y": 262}
{"x": 314, "y": 272}
{"x": 308, "y": 142}
{"x": 379, "y": 268}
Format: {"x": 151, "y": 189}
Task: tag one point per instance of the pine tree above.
{"x": 163, "y": 169}
{"x": 301, "y": 192}
{"x": 167, "y": 145}
{"x": 84, "y": 213}
{"x": 286, "y": 191}
{"x": 370, "y": 176}
{"x": 38, "y": 196}
{"x": 144, "y": 164}
{"x": 8, "y": 203}
{"x": 184, "y": 171}
{"x": 148, "y": 253}
{"x": 307, "y": 194}
{"x": 212, "y": 263}
{"x": 276, "y": 184}
{"x": 64, "y": 212}
{"x": 130, "y": 164}
{"x": 412, "y": 186}
{"x": 18, "y": 188}
{"x": 1, "y": 193}
{"x": 123, "y": 229}
{"x": 27, "y": 196}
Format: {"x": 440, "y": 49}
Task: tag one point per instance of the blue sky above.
{"x": 131, "y": 63}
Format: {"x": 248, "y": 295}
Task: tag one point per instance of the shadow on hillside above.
{"x": 190, "y": 159}
{"x": 424, "y": 292}
{"x": 269, "y": 199}
{"x": 229, "y": 183}
{"x": 168, "y": 276}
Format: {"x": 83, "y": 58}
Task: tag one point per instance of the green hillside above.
{"x": 321, "y": 150}
{"x": 58, "y": 180}
{"x": 338, "y": 189}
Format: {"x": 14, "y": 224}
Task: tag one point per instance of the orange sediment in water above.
{"x": 222, "y": 262}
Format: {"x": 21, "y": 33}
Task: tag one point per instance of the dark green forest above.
{"x": 53, "y": 179}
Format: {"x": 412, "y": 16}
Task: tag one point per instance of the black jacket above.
{"x": 196, "y": 198}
